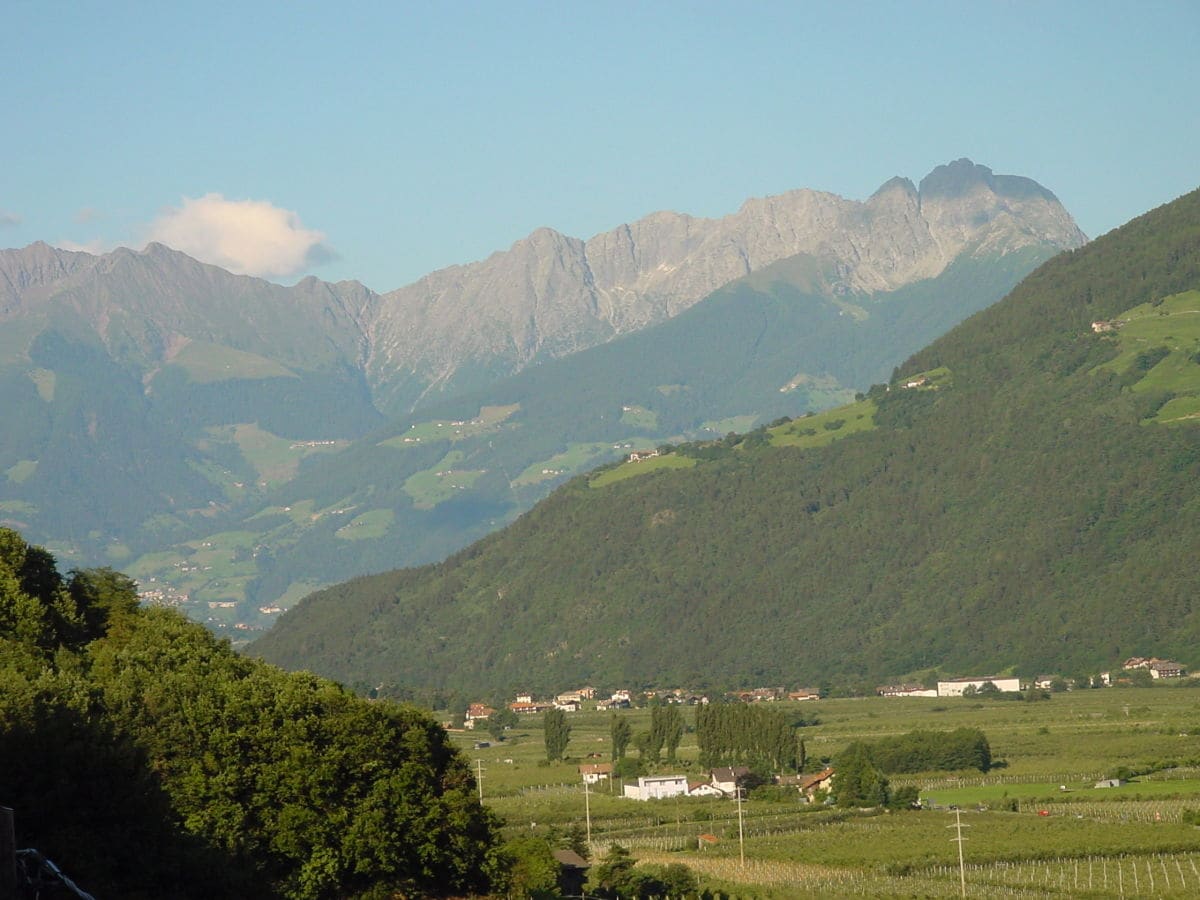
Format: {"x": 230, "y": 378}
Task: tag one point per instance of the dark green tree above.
{"x": 532, "y": 869}
{"x": 621, "y": 732}
{"x": 499, "y": 721}
{"x": 857, "y": 782}
{"x": 609, "y": 877}
{"x": 557, "y": 734}
{"x": 666, "y": 730}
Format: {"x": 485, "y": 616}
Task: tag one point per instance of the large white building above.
{"x": 955, "y": 687}
{"x": 655, "y": 787}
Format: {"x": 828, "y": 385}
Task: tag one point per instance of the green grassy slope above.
{"x": 1020, "y": 513}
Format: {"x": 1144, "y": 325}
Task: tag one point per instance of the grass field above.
{"x": 369, "y": 525}
{"x": 1174, "y": 325}
{"x": 489, "y": 420}
{"x": 439, "y": 483}
{"x": 639, "y": 417}
{"x": 20, "y": 471}
{"x": 722, "y": 427}
{"x": 642, "y": 467}
{"x": 575, "y": 458}
{"x": 206, "y": 363}
{"x": 826, "y": 427}
{"x": 1081, "y": 842}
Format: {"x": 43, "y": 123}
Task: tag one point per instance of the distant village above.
{"x": 729, "y": 781}
{"x": 957, "y": 687}
{"x": 573, "y": 700}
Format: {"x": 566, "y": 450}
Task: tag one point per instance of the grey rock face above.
{"x": 547, "y": 295}
{"x": 550, "y": 294}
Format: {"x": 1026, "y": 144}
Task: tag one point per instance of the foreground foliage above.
{"x": 147, "y": 759}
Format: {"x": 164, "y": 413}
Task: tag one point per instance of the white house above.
{"x": 955, "y": 687}
{"x": 699, "y": 788}
{"x": 656, "y": 787}
{"x": 727, "y": 779}
{"x": 595, "y": 772}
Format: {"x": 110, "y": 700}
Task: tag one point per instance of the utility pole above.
{"x": 587, "y": 812}
{"x": 962, "y": 869}
{"x": 479, "y": 777}
{"x": 737, "y": 786}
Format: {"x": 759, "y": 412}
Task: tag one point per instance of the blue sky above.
{"x": 382, "y": 141}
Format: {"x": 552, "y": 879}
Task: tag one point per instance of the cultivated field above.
{"x": 1034, "y": 827}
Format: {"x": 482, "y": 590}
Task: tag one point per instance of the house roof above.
{"x": 595, "y": 769}
{"x": 811, "y": 781}
{"x": 729, "y": 773}
{"x": 570, "y": 858}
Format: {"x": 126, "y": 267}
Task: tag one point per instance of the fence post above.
{"x": 8, "y": 855}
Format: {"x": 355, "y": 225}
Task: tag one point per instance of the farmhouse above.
{"x": 727, "y": 779}
{"x": 1158, "y": 668}
{"x": 476, "y": 712}
{"x": 701, "y": 788}
{"x": 805, "y": 694}
{"x": 525, "y": 708}
{"x": 639, "y": 455}
{"x": 819, "y": 781}
{"x": 657, "y": 787}
{"x": 957, "y": 686}
{"x": 594, "y": 772}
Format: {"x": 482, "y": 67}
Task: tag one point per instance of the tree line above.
{"x": 146, "y": 759}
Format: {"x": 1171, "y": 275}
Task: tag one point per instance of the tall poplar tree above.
{"x": 557, "y": 732}
{"x": 621, "y": 733}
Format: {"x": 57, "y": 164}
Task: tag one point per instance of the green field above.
{"x": 46, "y": 382}
{"x": 642, "y": 467}
{"x": 574, "y": 459}
{"x": 738, "y": 424}
{"x": 439, "y": 483}
{"x": 826, "y": 427}
{"x": 206, "y": 363}
{"x": 20, "y": 471}
{"x": 489, "y": 420}
{"x": 639, "y": 417}
{"x": 1165, "y": 336}
{"x": 1079, "y": 842}
{"x": 373, "y": 524}
{"x": 275, "y": 460}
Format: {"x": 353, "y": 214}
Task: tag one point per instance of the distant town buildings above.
{"x": 1158, "y": 668}
{"x": 956, "y": 687}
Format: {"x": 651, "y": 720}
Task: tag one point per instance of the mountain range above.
{"x": 236, "y": 443}
{"x": 1023, "y": 495}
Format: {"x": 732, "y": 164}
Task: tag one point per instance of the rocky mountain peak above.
{"x": 550, "y": 294}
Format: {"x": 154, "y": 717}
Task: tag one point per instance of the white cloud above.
{"x": 87, "y": 214}
{"x": 249, "y": 237}
{"x": 9, "y": 219}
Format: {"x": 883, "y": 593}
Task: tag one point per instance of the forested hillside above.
{"x": 1031, "y": 502}
{"x": 147, "y": 760}
{"x": 779, "y": 342}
